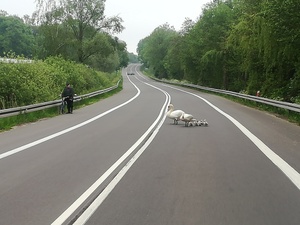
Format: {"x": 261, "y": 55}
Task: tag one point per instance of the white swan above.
{"x": 174, "y": 114}
{"x": 188, "y": 119}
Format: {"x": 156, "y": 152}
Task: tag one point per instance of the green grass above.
{"x": 291, "y": 116}
{"x": 8, "y": 123}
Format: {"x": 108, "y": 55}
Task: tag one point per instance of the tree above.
{"x": 132, "y": 57}
{"x": 239, "y": 45}
{"x": 173, "y": 59}
{"x": 154, "y": 49}
{"x": 187, "y": 26}
{"x": 15, "y": 36}
{"x": 280, "y": 50}
{"x": 113, "y": 55}
{"x": 81, "y": 23}
{"x": 204, "y": 56}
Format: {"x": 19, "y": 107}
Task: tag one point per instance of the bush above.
{"x": 28, "y": 83}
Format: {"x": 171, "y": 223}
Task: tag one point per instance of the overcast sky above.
{"x": 140, "y": 17}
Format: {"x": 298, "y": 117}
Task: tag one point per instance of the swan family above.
{"x": 180, "y": 115}
{"x": 174, "y": 114}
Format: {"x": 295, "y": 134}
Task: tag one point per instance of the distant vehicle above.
{"x": 130, "y": 73}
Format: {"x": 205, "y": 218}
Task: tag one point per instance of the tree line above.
{"x": 68, "y": 41}
{"x": 237, "y": 45}
{"x": 74, "y": 30}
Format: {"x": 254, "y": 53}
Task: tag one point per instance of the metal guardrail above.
{"x": 280, "y": 104}
{"x": 8, "y": 60}
{"x": 49, "y": 104}
{"x": 35, "y": 107}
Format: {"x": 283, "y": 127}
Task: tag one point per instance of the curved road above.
{"x": 121, "y": 162}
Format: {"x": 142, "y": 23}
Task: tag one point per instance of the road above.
{"x": 121, "y": 162}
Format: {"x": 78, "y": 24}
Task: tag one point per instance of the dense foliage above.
{"x": 15, "y": 36}
{"x": 41, "y": 81}
{"x": 80, "y": 31}
{"x": 68, "y": 41}
{"x": 75, "y": 30}
{"x": 239, "y": 45}
{"x": 133, "y": 58}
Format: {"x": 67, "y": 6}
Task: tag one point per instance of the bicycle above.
{"x": 62, "y": 106}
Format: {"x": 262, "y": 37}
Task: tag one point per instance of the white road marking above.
{"x": 289, "y": 171}
{"x": 27, "y": 146}
{"x": 98, "y": 201}
{"x": 88, "y": 212}
{"x": 292, "y": 174}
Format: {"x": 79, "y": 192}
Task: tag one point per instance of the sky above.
{"x": 140, "y": 17}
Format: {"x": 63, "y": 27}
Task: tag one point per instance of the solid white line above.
{"x": 98, "y": 201}
{"x": 24, "y": 147}
{"x": 289, "y": 171}
{"x": 68, "y": 212}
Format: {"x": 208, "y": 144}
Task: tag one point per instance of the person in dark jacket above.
{"x": 68, "y": 95}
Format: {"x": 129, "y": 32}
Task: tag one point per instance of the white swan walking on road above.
{"x": 188, "y": 119}
{"x": 191, "y": 121}
{"x": 174, "y": 114}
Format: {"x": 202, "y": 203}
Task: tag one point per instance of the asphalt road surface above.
{"x": 122, "y": 162}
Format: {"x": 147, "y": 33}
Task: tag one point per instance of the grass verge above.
{"x": 291, "y": 116}
{"x": 285, "y": 114}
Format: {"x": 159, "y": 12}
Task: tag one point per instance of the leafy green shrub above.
{"x": 23, "y": 84}
{"x": 28, "y": 83}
